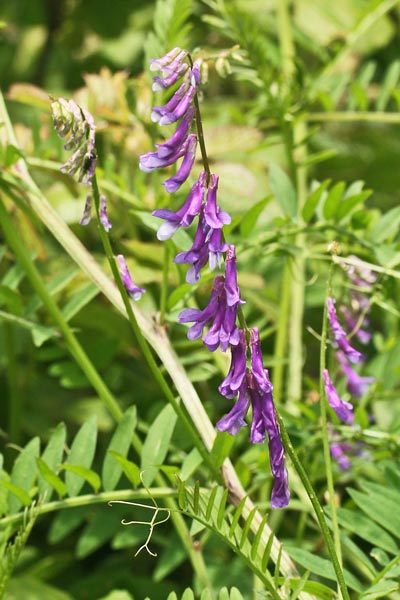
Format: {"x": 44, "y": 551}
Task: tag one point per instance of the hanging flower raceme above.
{"x": 76, "y": 125}
{"x": 255, "y": 389}
{"x": 180, "y": 106}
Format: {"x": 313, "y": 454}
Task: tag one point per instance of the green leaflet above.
{"x": 24, "y": 472}
{"x": 81, "y": 454}
{"x": 157, "y": 441}
{"x": 120, "y": 443}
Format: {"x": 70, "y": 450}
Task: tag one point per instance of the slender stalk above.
{"x": 324, "y": 426}
{"x": 281, "y": 334}
{"x": 319, "y": 513}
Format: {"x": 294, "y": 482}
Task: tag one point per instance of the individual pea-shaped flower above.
{"x": 343, "y": 409}
{"x": 356, "y": 384}
{"x": 133, "y": 290}
{"x": 222, "y": 318}
{"x": 340, "y": 335}
{"x": 234, "y": 420}
{"x": 360, "y": 332}
{"x": 214, "y": 216}
{"x": 185, "y": 215}
{"x": 237, "y": 370}
{"x": 174, "y": 183}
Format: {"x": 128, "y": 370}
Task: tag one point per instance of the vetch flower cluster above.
{"x": 76, "y": 125}
{"x": 250, "y": 383}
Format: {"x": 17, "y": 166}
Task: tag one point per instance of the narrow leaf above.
{"x": 19, "y": 495}
{"x": 84, "y": 474}
{"x": 387, "y": 226}
{"x": 81, "y": 454}
{"x": 380, "y": 509}
{"x": 313, "y": 199}
{"x": 24, "y": 472}
{"x": 221, "y": 508}
{"x": 52, "y": 457}
{"x": 210, "y": 504}
{"x": 283, "y": 190}
{"x": 221, "y": 447}
{"x": 333, "y": 200}
{"x": 50, "y": 480}
{"x": 130, "y": 469}
{"x": 119, "y": 443}
{"x": 157, "y": 441}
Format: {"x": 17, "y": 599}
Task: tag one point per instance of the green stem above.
{"x": 352, "y": 116}
{"x": 319, "y": 513}
{"x": 324, "y": 426}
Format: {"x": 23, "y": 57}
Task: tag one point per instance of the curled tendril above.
{"x": 153, "y": 521}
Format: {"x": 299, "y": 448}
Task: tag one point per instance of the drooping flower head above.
{"x": 133, "y": 290}
{"x": 76, "y": 125}
{"x": 356, "y": 384}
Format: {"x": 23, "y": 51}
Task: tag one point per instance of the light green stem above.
{"x": 280, "y": 350}
{"x": 14, "y": 396}
{"x": 352, "y": 116}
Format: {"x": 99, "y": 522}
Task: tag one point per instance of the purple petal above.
{"x": 174, "y": 183}
{"x": 214, "y": 216}
{"x": 133, "y": 290}
{"x": 174, "y": 144}
{"x": 237, "y": 369}
{"x": 340, "y": 335}
{"x": 257, "y": 368}
{"x": 87, "y": 211}
{"x": 234, "y": 420}
{"x": 231, "y": 286}
{"x": 342, "y": 409}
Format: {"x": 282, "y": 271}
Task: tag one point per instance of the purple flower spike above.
{"x": 234, "y": 420}
{"x": 133, "y": 290}
{"x": 175, "y": 143}
{"x": 185, "y": 215}
{"x": 223, "y": 331}
{"x": 87, "y": 211}
{"x": 174, "y": 183}
{"x": 356, "y": 385}
{"x": 342, "y": 409}
{"x": 340, "y": 335}
{"x": 237, "y": 371}
{"x": 103, "y": 213}
{"x": 214, "y": 216}
{"x": 231, "y": 286}
{"x": 180, "y": 108}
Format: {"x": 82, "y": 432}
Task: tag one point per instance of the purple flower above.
{"x": 103, "y": 213}
{"x": 214, "y": 216}
{"x": 170, "y": 74}
{"x": 237, "y": 370}
{"x": 203, "y": 318}
{"x": 231, "y": 285}
{"x": 133, "y": 290}
{"x": 338, "y": 450}
{"x": 197, "y": 255}
{"x": 222, "y": 318}
{"x": 175, "y": 143}
{"x": 342, "y": 408}
{"x": 152, "y": 160}
{"x": 157, "y": 64}
{"x": 340, "y": 335}
{"x": 216, "y": 247}
{"x": 362, "y": 335}
{"x": 356, "y": 385}
{"x": 158, "y": 112}
{"x": 259, "y": 373}
{"x": 174, "y": 183}
{"x": 185, "y": 215}
{"x": 234, "y": 420}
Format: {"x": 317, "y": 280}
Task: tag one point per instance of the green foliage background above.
{"x": 344, "y": 86}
